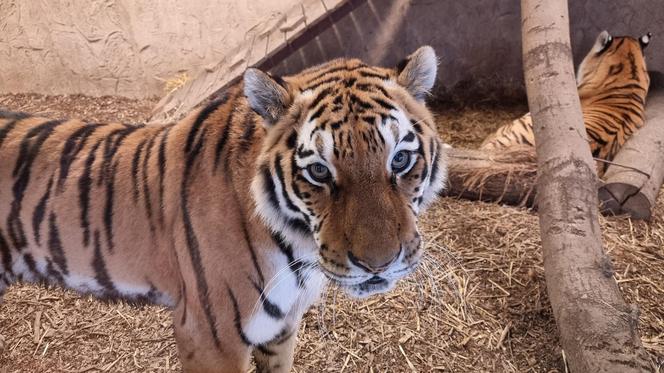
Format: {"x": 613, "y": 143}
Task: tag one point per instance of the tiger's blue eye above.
{"x": 319, "y": 172}
{"x": 400, "y": 161}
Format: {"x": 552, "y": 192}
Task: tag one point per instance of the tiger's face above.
{"x": 610, "y": 59}
{"x": 351, "y": 157}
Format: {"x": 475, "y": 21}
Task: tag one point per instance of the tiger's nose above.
{"x": 370, "y": 266}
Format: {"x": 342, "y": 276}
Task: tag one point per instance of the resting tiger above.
{"x": 613, "y": 83}
{"x": 238, "y": 215}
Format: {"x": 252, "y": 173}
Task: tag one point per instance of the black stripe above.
{"x": 322, "y": 72}
{"x": 369, "y": 87}
{"x": 55, "y": 244}
{"x": 370, "y": 74}
{"x": 223, "y": 139}
{"x": 416, "y": 126}
{"x": 287, "y": 250}
{"x": 304, "y": 153}
{"x": 112, "y": 142}
{"x": 409, "y": 137}
{"x": 280, "y": 175}
{"x": 294, "y": 174}
{"x": 101, "y": 272}
{"x": 5, "y": 253}
{"x": 73, "y": 145}
{"x": 248, "y": 134}
{"x": 84, "y": 186}
{"x": 386, "y": 105}
{"x": 291, "y": 141}
{"x": 146, "y": 184}
{"x": 228, "y": 171}
{"x": 134, "y": 168}
{"x": 252, "y": 252}
{"x": 269, "y": 187}
{"x": 318, "y": 112}
{"x": 270, "y": 308}
{"x": 299, "y": 225}
{"x": 361, "y": 103}
{"x": 334, "y": 78}
{"x": 282, "y": 337}
{"x": 369, "y": 118}
{"x": 40, "y": 210}
{"x": 162, "y": 172}
{"x": 320, "y": 96}
{"x": 32, "y": 266}
{"x": 434, "y": 163}
{"x": 198, "y": 123}
{"x": 11, "y": 124}
{"x": 183, "y": 319}
{"x": 108, "y": 208}
{"x": 28, "y": 152}
{"x": 238, "y": 318}
{"x": 30, "y": 263}
{"x": 53, "y": 274}
{"x": 192, "y": 242}
{"x": 265, "y": 351}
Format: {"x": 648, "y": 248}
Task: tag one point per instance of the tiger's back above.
{"x": 612, "y": 82}
{"x": 236, "y": 216}
{"x": 64, "y": 185}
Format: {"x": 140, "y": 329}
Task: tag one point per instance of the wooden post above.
{"x": 598, "y": 330}
{"x": 635, "y": 178}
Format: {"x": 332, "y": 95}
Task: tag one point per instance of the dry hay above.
{"x": 477, "y": 304}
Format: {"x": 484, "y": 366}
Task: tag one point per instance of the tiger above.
{"x": 612, "y": 82}
{"x": 237, "y": 216}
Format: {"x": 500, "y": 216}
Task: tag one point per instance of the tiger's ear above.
{"x": 602, "y": 42}
{"x": 417, "y": 73}
{"x": 645, "y": 40}
{"x": 267, "y": 96}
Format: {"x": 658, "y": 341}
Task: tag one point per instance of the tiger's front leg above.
{"x": 200, "y": 351}
{"x": 277, "y": 355}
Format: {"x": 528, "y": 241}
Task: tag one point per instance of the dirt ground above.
{"x": 477, "y": 304}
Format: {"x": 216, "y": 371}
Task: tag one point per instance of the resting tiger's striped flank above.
{"x": 238, "y": 215}
{"x": 613, "y": 83}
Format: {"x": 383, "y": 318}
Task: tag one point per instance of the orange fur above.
{"x": 613, "y": 83}
{"x": 211, "y": 214}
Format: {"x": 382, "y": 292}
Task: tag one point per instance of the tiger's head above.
{"x": 613, "y": 59}
{"x": 350, "y": 159}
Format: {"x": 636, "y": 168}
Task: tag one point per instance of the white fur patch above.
{"x": 292, "y": 300}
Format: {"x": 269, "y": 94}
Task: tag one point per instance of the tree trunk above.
{"x": 598, "y": 330}
{"x": 502, "y": 177}
{"x": 635, "y": 178}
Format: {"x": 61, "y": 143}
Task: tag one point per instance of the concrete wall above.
{"x": 120, "y": 47}
{"x": 129, "y": 48}
{"x": 478, "y": 41}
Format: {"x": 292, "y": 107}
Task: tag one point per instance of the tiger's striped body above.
{"x": 238, "y": 215}
{"x": 613, "y": 83}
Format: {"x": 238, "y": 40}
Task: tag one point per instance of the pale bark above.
{"x": 636, "y": 175}
{"x": 598, "y": 330}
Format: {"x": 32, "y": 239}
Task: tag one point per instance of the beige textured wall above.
{"x": 128, "y": 47}
{"x": 122, "y": 47}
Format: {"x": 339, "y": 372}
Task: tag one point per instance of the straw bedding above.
{"x": 478, "y": 303}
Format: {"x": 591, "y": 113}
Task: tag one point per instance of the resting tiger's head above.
{"x": 613, "y": 59}
{"x": 350, "y": 159}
